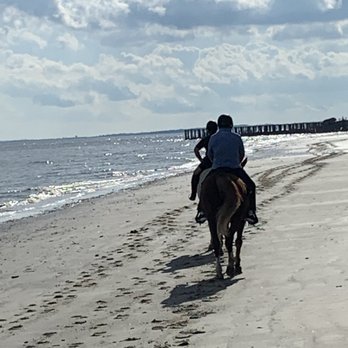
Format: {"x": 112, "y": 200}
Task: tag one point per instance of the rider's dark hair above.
{"x": 211, "y": 127}
{"x": 225, "y": 121}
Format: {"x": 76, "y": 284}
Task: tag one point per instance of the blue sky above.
{"x": 77, "y": 67}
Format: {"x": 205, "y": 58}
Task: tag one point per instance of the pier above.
{"x": 328, "y": 125}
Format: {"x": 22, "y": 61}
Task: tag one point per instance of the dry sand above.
{"x": 131, "y": 269}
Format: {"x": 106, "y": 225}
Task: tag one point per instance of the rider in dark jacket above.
{"x": 205, "y": 162}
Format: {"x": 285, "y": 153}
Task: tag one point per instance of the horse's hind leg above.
{"x": 211, "y": 247}
{"x": 230, "y": 271}
{"x": 216, "y": 245}
{"x": 239, "y": 243}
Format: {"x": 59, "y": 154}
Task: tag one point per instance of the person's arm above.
{"x": 241, "y": 151}
{"x": 210, "y": 153}
{"x": 197, "y": 149}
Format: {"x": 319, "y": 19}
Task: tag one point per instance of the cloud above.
{"x": 316, "y": 30}
{"x": 32, "y": 77}
{"x": 112, "y": 15}
{"x": 19, "y": 28}
{"x": 185, "y": 59}
{"x": 80, "y": 13}
{"x": 188, "y": 14}
{"x": 107, "y": 88}
{"x": 70, "y": 41}
{"x": 169, "y": 106}
{"x": 108, "y": 15}
{"x": 52, "y": 100}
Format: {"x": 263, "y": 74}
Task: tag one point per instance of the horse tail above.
{"x": 231, "y": 192}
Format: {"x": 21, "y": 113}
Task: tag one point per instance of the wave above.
{"x": 56, "y": 196}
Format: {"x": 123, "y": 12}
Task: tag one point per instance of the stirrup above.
{"x": 200, "y": 217}
{"x": 251, "y": 218}
{"x": 192, "y": 197}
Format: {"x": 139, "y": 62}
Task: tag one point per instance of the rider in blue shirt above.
{"x": 226, "y": 151}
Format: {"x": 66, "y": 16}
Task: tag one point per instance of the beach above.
{"x": 131, "y": 269}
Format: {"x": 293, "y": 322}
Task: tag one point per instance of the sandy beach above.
{"x": 132, "y": 269}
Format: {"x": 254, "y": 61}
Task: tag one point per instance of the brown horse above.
{"x": 223, "y": 199}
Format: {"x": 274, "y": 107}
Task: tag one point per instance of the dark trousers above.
{"x": 250, "y": 185}
{"x": 205, "y": 164}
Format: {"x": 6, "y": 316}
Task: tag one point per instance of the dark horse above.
{"x": 223, "y": 198}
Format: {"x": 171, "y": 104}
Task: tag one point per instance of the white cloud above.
{"x": 326, "y": 5}
{"x": 248, "y": 4}
{"x": 334, "y": 30}
{"x": 19, "y": 28}
{"x": 80, "y": 13}
{"x": 125, "y": 60}
{"x": 30, "y": 37}
{"x": 70, "y": 41}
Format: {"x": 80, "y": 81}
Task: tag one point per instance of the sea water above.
{"x": 41, "y": 175}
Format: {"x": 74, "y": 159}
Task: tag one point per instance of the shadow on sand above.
{"x": 188, "y": 261}
{"x": 201, "y": 290}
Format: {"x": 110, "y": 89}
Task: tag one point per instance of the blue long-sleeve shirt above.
{"x": 226, "y": 149}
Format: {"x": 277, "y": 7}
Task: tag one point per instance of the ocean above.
{"x": 37, "y": 176}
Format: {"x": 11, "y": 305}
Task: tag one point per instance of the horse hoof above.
{"x": 230, "y": 271}
{"x": 219, "y": 276}
{"x": 238, "y": 270}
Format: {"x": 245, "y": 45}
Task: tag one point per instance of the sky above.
{"x": 84, "y": 68}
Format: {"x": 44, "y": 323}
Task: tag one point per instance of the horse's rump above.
{"x": 218, "y": 186}
{"x": 229, "y": 185}
{"x": 222, "y": 196}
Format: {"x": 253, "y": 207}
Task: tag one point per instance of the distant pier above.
{"x": 328, "y": 125}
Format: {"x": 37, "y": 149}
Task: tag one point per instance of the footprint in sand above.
{"x": 100, "y": 308}
{"x": 49, "y": 334}
{"x": 179, "y": 276}
{"x": 98, "y": 333}
{"x": 145, "y": 301}
{"x": 121, "y": 313}
{"x": 98, "y": 326}
{"x": 131, "y": 339}
{"x": 152, "y": 270}
{"x": 42, "y": 342}
{"x": 15, "y": 327}
{"x": 30, "y": 310}
{"x": 116, "y": 263}
{"x": 78, "y": 319}
{"x": 121, "y": 316}
{"x": 70, "y": 296}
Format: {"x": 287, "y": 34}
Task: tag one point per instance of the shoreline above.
{"x": 53, "y": 203}
{"x": 96, "y": 196}
{"x": 131, "y": 269}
